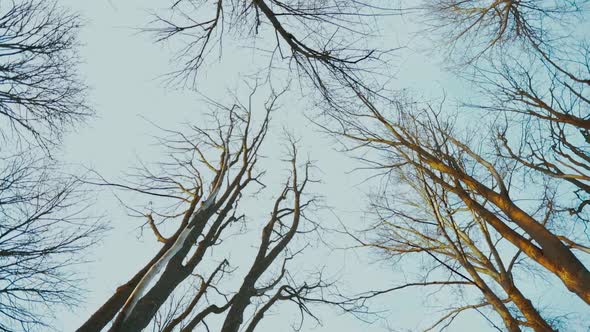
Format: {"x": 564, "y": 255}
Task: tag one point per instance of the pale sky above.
{"x": 122, "y": 68}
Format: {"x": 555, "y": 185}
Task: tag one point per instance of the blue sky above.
{"x": 123, "y": 66}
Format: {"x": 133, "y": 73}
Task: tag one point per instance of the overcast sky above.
{"x": 123, "y": 67}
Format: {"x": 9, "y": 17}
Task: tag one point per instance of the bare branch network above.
{"x": 227, "y": 155}
{"x": 474, "y": 202}
{"x": 41, "y": 94}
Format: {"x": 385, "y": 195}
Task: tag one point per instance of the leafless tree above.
{"x": 44, "y": 224}
{"x": 417, "y": 136}
{"x": 534, "y": 107}
{"x": 41, "y": 94}
{"x": 325, "y": 41}
{"x": 473, "y": 184}
{"x": 539, "y": 89}
{"x": 420, "y": 218}
{"x": 44, "y": 230}
{"x": 471, "y": 29}
{"x": 542, "y": 119}
{"x": 204, "y": 213}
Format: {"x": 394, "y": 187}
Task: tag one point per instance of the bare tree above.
{"x": 417, "y": 136}
{"x": 538, "y": 90}
{"x": 325, "y": 41}
{"x": 44, "y": 224}
{"x": 203, "y": 215}
{"x": 44, "y": 230}
{"x": 533, "y": 135}
{"x": 425, "y": 220}
{"x": 542, "y": 119}
{"x": 41, "y": 94}
{"x": 473, "y": 28}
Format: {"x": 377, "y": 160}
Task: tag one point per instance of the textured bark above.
{"x": 510, "y": 322}
{"x": 266, "y": 254}
{"x": 552, "y": 254}
{"x": 174, "y": 273}
{"x": 534, "y": 319}
{"x": 235, "y": 315}
{"x": 109, "y": 309}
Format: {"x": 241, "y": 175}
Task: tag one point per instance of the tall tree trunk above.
{"x": 535, "y": 320}
{"x": 109, "y": 309}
